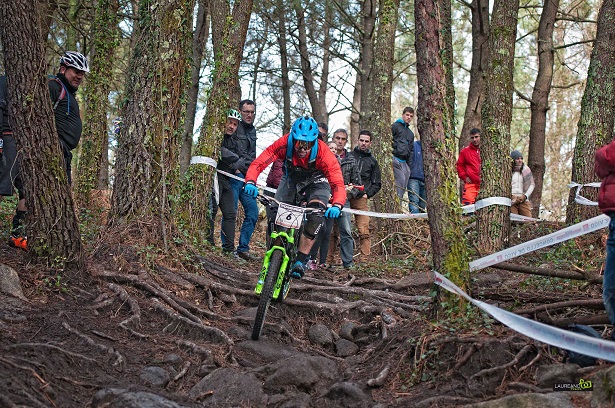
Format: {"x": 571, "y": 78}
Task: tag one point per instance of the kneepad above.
{"x": 315, "y": 220}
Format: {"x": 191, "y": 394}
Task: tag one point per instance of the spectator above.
{"x": 230, "y": 162}
{"x": 416, "y": 182}
{"x": 522, "y": 186}
{"x": 604, "y": 168}
{"x": 323, "y": 130}
{"x": 352, "y": 184}
{"x": 311, "y": 171}
{"x": 468, "y": 168}
{"x": 403, "y": 144}
{"x": 369, "y": 172}
{"x": 340, "y": 137}
{"x": 62, "y": 90}
{"x": 244, "y": 145}
{"x": 320, "y": 250}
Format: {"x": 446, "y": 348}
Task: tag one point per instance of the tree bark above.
{"x": 92, "y": 172}
{"x": 540, "y": 100}
{"x": 52, "y": 226}
{"x": 229, "y": 30}
{"x": 480, "y": 54}
{"x": 493, "y": 222}
{"x": 435, "y": 124}
{"x": 148, "y": 143}
{"x": 595, "y": 126}
{"x": 199, "y": 38}
{"x": 286, "y": 83}
{"x": 376, "y": 101}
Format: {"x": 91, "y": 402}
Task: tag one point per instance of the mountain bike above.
{"x": 274, "y": 279}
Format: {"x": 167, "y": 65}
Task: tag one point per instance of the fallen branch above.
{"x": 591, "y": 278}
{"x": 589, "y": 303}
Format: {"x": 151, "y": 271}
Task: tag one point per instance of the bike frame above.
{"x": 281, "y": 241}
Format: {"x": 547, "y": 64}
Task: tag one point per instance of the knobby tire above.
{"x": 267, "y": 293}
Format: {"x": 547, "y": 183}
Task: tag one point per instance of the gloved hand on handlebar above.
{"x": 251, "y": 190}
{"x": 333, "y": 212}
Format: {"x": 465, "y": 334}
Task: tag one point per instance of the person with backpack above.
{"x": 310, "y": 171}
{"x": 62, "y": 89}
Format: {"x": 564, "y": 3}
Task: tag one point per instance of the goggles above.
{"x": 302, "y": 144}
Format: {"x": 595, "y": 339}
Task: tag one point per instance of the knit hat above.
{"x": 516, "y": 154}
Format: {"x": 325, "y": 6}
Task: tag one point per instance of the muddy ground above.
{"x": 130, "y": 332}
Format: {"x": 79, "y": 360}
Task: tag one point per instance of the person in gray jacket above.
{"x": 403, "y": 147}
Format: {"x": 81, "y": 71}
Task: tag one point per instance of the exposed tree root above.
{"x": 49, "y": 346}
{"x": 119, "y": 359}
{"x": 135, "y": 310}
{"x": 380, "y": 379}
{"x": 211, "y": 334}
{"x": 520, "y": 354}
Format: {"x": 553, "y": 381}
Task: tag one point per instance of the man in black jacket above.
{"x": 370, "y": 177}
{"x": 403, "y": 146}
{"x": 62, "y": 90}
{"x": 241, "y": 148}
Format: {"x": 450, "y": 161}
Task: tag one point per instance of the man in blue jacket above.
{"x": 416, "y": 182}
{"x": 403, "y": 146}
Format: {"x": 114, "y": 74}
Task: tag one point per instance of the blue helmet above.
{"x": 305, "y": 128}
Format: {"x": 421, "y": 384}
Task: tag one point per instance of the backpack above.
{"x": 63, "y": 93}
{"x": 573, "y": 357}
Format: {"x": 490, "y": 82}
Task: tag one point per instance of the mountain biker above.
{"x": 310, "y": 169}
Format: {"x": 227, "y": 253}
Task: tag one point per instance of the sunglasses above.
{"x": 302, "y": 144}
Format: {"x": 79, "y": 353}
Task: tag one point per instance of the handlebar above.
{"x": 273, "y": 203}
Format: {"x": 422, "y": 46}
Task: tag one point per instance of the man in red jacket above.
{"x": 468, "y": 168}
{"x": 311, "y": 171}
{"x": 604, "y": 168}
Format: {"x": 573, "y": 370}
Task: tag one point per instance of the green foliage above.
{"x": 56, "y": 283}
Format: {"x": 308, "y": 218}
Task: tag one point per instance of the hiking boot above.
{"x": 246, "y": 255}
{"x": 297, "y": 271}
{"x": 18, "y": 242}
{"x": 232, "y": 255}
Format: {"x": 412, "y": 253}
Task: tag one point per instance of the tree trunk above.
{"x": 540, "y": 100}
{"x": 480, "y": 54}
{"x": 148, "y": 143}
{"x": 493, "y": 222}
{"x": 228, "y": 37}
{"x": 597, "y": 112}
{"x": 52, "y": 226}
{"x": 94, "y": 141}
{"x": 376, "y": 102}
{"x": 435, "y": 124}
{"x": 306, "y": 67}
{"x": 286, "y": 83}
{"x": 199, "y": 39}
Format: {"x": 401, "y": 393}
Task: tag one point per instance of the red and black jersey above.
{"x": 320, "y": 159}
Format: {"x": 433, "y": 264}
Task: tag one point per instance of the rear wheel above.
{"x": 275, "y": 261}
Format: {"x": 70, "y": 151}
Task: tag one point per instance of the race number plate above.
{"x": 289, "y": 216}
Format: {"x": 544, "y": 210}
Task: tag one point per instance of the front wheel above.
{"x": 275, "y": 261}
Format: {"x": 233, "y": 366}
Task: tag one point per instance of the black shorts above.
{"x": 10, "y": 180}
{"x": 291, "y": 192}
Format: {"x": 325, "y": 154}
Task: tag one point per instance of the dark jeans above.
{"x": 417, "y": 196}
{"x": 229, "y": 213}
{"x": 250, "y": 209}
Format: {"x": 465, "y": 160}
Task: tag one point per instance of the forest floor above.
{"x": 164, "y": 331}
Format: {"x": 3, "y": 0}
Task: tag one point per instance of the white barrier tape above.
{"x": 564, "y": 339}
{"x": 578, "y": 198}
{"x": 582, "y": 228}
{"x": 485, "y": 202}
